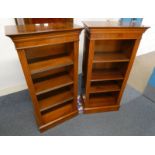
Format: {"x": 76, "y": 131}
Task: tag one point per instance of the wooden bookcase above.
{"x": 48, "y": 54}
{"x": 109, "y": 52}
{"x": 25, "y": 21}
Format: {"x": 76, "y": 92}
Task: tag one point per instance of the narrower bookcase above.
{"x": 109, "y": 52}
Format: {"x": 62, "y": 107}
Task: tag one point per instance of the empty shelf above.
{"x": 55, "y": 100}
{"x": 57, "y": 113}
{"x": 102, "y": 100}
{"x": 53, "y": 83}
{"x": 107, "y": 87}
{"x": 101, "y": 57}
{"x": 108, "y": 74}
{"x": 50, "y": 64}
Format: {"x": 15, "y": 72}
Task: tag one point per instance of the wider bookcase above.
{"x": 109, "y": 52}
{"x": 49, "y": 57}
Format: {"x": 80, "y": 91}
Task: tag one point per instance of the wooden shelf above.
{"x": 53, "y": 83}
{"x": 108, "y": 74}
{"x": 109, "y": 52}
{"x": 109, "y": 86}
{"x": 101, "y": 57}
{"x": 50, "y": 64}
{"x": 57, "y": 113}
{"x": 49, "y": 59}
{"x": 55, "y": 100}
{"x": 102, "y": 100}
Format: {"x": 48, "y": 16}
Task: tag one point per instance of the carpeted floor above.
{"x": 135, "y": 117}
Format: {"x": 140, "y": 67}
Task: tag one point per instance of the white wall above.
{"x": 148, "y": 41}
{"x": 145, "y": 60}
{"x": 11, "y": 75}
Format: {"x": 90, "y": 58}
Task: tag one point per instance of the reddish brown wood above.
{"x": 22, "y": 21}
{"x": 105, "y": 86}
{"x": 53, "y": 83}
{"x": 109, "y": 52}
{"x": 56, "y": 98}
{"x": 22, "y": 57}
{"x": 110, "y": 57}
{"x": 106, "y": 75}
{"x": 48, "y": 64}
{"x": 57, "y": 113}
{"x": 75, "y": 70}
{"x": 49, "y": 58}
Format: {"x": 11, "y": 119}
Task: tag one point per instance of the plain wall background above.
{"x": 11, "y": 75}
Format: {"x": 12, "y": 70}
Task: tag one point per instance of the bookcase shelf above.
{"x": 108, "y": 74}
{"x": 57, "y": 113}
{"x": 52, "y": 83}
{"x": 103, "y": 99}
{"x": 55, "y": 98}
{"x": 49, "y": 59}
{"x": 105, "y": 86}
{"x": 101, "y": 57}
{"x": 109, "y": 52}
{"x": 47, "y": 64}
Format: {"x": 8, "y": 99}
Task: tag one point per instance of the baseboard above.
{"x": 12, "y": 89}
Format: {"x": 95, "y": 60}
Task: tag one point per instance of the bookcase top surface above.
{"x": 13, "y": 30}
{"x": 111, "y": 24}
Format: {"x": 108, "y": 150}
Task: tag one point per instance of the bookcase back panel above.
{"x": 103, "y": 99}
{"x": 107, "y": 45}
{"x": 114, "y": 45}
{"x": 57, "y": 112}
{"x": 51, "y": 72}
{"x": 110, "y": 66}
{"x": 106, "y": 83}
{"x": 44, "y": 52}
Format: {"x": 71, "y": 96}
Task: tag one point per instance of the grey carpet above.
{"x": 135, "y": 117}
{"x": 149, "y": 93}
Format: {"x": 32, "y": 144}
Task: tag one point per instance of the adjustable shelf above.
{"x": 105, "y": 86}
{"x": 101, "y": 57}
{"x": 52, "y": 83}
{"x": 48, "y": 64}
{"x": 49, "y": 59}
{"x": 109, "y": 52}
{"x": 58, "y": 113}
{"x": 106, "y": 74}
{"x": 55, "y": 98}
{"x": 103, "y": 99}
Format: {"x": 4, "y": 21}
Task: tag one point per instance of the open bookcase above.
{"x": 109, "y": 52}
{"x": 52, "y": 76}
{"x": 49, "y": 58}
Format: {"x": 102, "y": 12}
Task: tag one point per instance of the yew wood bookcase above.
{"x": 48, "y": 54}
{"x": 109, "y": 52}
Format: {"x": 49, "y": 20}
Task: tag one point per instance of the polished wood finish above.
{"x": 57, "y": 98}
{"x": 109, "y": 52}
{"x": 25, "y": 21}
{"x": 49, "y": 64}
{"x": 106, "y": 75}
{"x": 53, "y": 83}
{"x": 41, "y": 30}
{"x": 110, "y": 57}
{"x": 105, "y": 86}
{"x": 49, "y": 58}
